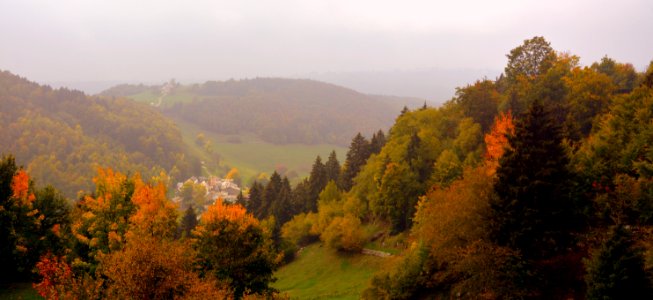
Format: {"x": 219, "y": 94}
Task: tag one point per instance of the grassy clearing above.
{"x": 16, "y": 291}
{"x": 321, "y": 273}
{"x": 252, "y": 156}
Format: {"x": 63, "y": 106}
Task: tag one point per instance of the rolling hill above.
{"x": 278, "y": 111}
{"x": 62, "y": 136}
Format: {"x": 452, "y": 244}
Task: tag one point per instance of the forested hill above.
{"x": 277, "y": 110}
{"x": 62, "y": 135}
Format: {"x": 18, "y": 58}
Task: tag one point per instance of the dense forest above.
{"x": 276, "y": 110}
{"x": 62, "y": 136}
{"x": 537, "y": 184}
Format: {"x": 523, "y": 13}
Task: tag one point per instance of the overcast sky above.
{"x": 136, "y": 40}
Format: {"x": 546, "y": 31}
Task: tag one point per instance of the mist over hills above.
{"x": 276, "y": 110}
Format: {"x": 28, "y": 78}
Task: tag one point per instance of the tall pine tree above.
{"x": 532, "y": 211}
{"x": 377, "y": 142}
{"x": 332, "y": 167}
{"x": 359, "y": 152}
{"x": 317, "y": 181}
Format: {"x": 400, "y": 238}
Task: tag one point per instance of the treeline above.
{"x": 64, "y": 135}
{"x": 275, "y": 199}
{"x": 535, "y": 184}
{"x": 278, "y": 111}
{"x": 126, "y": 240}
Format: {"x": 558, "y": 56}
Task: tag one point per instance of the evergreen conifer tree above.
{"x": 532, "y": 211}
{"x": 255, "y": 198}
{"x": 317, "y": 181}
{"x": 377, "y": 142}
{"x": 188, "y": 222}
{"x": 332, "y": 167}
{"x": 359, "y": 152}
{"x": 270, "y": 196}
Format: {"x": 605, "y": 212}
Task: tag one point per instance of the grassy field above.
{"x": 251, "y": 156}
{"x": 320, "y": 273}
{"x": 16, "y": 291}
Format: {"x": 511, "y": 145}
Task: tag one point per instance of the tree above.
{"x": 188, "y": 222}
{"x": 282, "y": 208}
{"x": 532, "y": 211}
{"x": 359, "y": 151}
{"x": 332, "y": 167}
{"x": 377, "y": 142}
{"x": 233, "y": 247}
{"x": 193, "y": 194}
{"x": 101, "y": 221}
{"x": 479, "y": 101}
{"x": 317, "y": 181}
{"x": 399, "y": 192}
{"x": 616, "y": 269}
{"x": 344, "y": 234}
{"x": 152, "y": 268}
{"x": 234, "y": 175}
{"x": 255, "y": 198}
{"x": 534, "y": 57}
{"x": 270, "y": 196}
{"x": 496, "y": 141}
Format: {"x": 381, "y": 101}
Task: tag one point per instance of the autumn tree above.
{"x": 232, "y": 246}
{"x": 496, "y": 141}
{"x": 234, "y": 175}
{"x": 101, "y": 221}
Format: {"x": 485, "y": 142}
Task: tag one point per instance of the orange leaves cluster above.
{"x": 20, "y": 188}
{"x": 155, "y": 215}
{"x": 219, "y": 211}
{"x": 151, "y": 268}
{"x": 496, "y": 140}
{"x": 55, "y": 272}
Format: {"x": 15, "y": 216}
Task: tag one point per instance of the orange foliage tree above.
{"x": 496, "y": 140}
{"x": 233, "y": 247}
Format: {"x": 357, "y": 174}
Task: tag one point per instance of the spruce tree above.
{"x": 270, "y": 195}
{"x": 532, "y": 211}
{"x": 255, "y": 198}
{"x": 377, "y": 142}
{"x": 317, "y": 181}
{"x": 281, "y": 208}
{"x": 188, "y": 222}
{"x": 332, "y": 167}
{"x": 359, "y": 152}
{"x": 616, "y": 270}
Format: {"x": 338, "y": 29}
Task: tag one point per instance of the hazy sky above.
{"x": 136, "y": 40}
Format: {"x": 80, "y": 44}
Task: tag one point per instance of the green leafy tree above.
{"x": 534, "y": 57}
{"x": 616, "y": 270}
